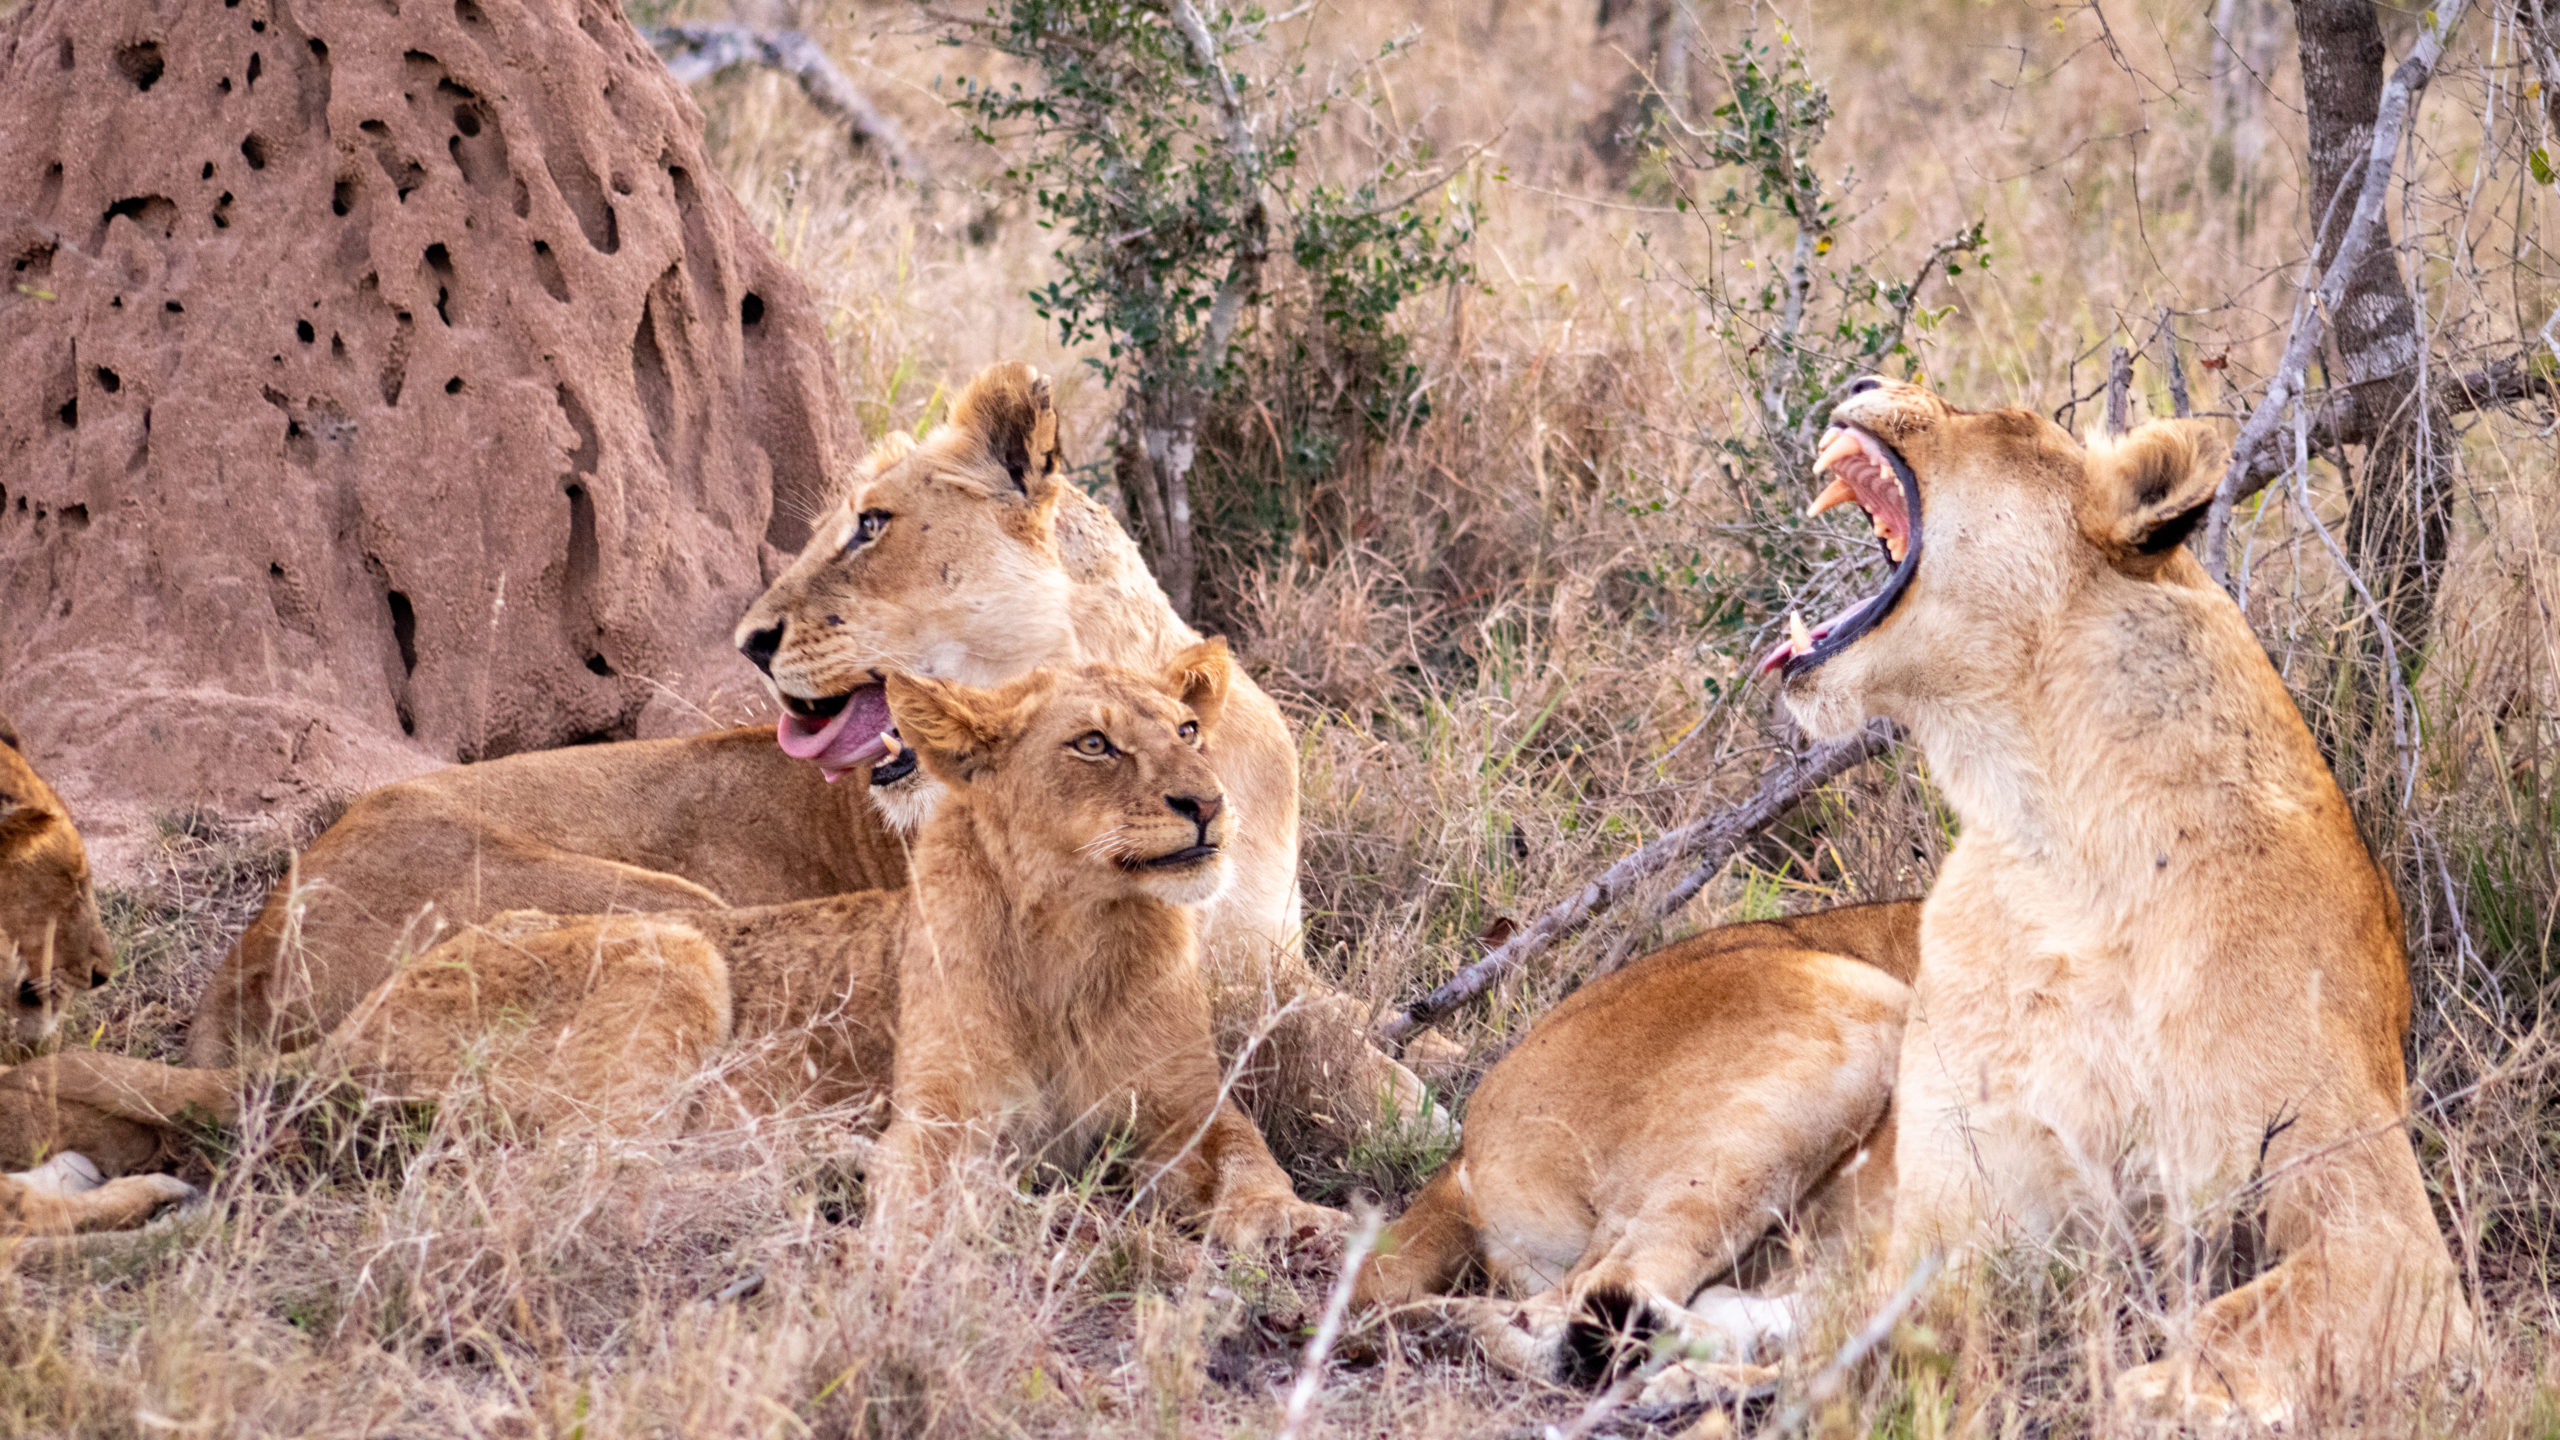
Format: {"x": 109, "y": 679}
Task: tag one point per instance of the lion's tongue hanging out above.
{"x": 854, "y": 736}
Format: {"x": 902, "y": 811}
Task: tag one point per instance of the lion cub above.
{"x": 1038, "y": 980}
{"x": 2161, "y": 981}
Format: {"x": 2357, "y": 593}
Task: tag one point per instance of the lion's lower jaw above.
{"x": 1194, "y": 885}
{"x": 907, "y": 804}
{"x": 1823, "y": 708}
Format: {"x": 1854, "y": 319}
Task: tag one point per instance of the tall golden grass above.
{"x": 1515, "y": 637}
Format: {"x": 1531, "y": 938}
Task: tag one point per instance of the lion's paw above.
{"x": 1707, "y": 1382}
{"x": 1263, "y": 1220}
{"x": 2172, "y": 1392}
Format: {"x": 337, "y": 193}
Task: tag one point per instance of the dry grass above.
{"x": 1511, "y": 630}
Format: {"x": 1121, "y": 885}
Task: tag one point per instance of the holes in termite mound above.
{"x": 342, "y": 197}
{"x": 303, "y": 332}
{"x": 440, "y": 268}
{"x": 578, "y": 585}
{"x": 62, "y": 53}
{"x": 72, "y": 519}
{"x": 34, "y": 262}
{"x": 141, "y": 62}
{"x": 582, "y": 461}
{"x": 468, "y": 13}
{"x": 253, "y": 148}
{"x": 404, "y": 641}
{"x": 222, "y": 211}
{"x": 546, "y": 268}
{"x": 109, "y": 381}
{"x": 650, "y": 376}
{"x": 584, "y": 197}
{"x": 478, "y": 144}
{"x": 395, "y": 364}
{"x": 404, "y": 629}
{"x": 157, "y": 214}
{"x": 751, "y": 310}
{"x": 257, "y": 67}
{"x": 405, "y": 174}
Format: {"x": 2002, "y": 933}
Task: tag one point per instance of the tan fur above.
{"x": 51, "y": 945}
{"x": 1651, "y": 1131}
{"x": 2160, "y": 964}
{"x": 66, "y": 1197}
{"x": 640, "y": 826}
{"x": 978, "y": 580}
{"x": 52, "y": 948}
{"x": 991, "y": 562}
{"x": 1038, "y": 979}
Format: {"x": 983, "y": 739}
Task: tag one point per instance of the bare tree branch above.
{"x": 1244, "y": 277}
{"x": 2285, "y": 387}
{"x": 697, "y": 51}
{"x": 1711, "y": 840}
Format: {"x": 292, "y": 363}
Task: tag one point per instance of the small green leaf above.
{"x": 2539, "y": 161}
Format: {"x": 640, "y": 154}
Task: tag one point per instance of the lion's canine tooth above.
{"x": 1799, "y": 638}
{"x": 1835, "y": 493}
{"x": 1837, "y": 446}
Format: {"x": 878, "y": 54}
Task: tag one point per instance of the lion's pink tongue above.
{"x": 844, "y": 740}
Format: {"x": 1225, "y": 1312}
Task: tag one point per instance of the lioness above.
{"x": 51, "y": 944}
{"x": 966, "y": 556}
{"x": 1652, "y": 1129}
{"x": 1039, "y": 977}
{"x": 2161, "y": 979}
{"x": 51, "y": 949}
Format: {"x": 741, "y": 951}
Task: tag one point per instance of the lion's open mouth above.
{"x": 838, "y": 733}
{"x": 1862, "y": 471}
{"x": 1183, "y": 858}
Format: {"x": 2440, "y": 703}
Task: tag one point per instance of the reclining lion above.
{"x": 52, "y": 948}
{"x": 1651, "y": 1132}
{"x": 1038, "y": 980}
{"x": 2161, "y": 979}
{"x": 967, "y": 556}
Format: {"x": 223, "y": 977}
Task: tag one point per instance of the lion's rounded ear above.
{"x": 957, "y": 729}
{"x": 2146, "y": 491}
{"x": 1008, "y": 410}
{"x": 1200, "y": 677}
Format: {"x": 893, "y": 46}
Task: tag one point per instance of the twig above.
{"x": 1302, "y": 1395}
{"x": 1827, "y": 1383}
{"x": 2179, "y": 404}
{"x": 1712, "y": 839}
{"x": 1244, "y": 275}
{"x": 2285, "y": 388}
{"x": 697, "y": 51}
{"x": 2119, "y": 390}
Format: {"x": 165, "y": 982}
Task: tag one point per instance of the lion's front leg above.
{"x": 1198, "y": 1148}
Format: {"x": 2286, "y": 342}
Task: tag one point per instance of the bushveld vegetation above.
{"x": 1503, "y": 542}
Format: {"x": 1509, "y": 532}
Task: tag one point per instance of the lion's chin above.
{"x": 1194, "y": 882}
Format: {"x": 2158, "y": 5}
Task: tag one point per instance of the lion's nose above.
{"x": 760, "y": 646}
{"x": 1865, "y": 383}
{"x": 1198, "y": 809}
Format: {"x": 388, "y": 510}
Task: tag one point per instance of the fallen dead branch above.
{"x": 1710, "y": 841}
{"x": 699, "y": 50}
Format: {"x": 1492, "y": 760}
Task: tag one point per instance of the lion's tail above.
{"x": 140, "y": 1090}
{"x": 1428, "y": 1247}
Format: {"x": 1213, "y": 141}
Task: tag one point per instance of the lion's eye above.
{"x": 866, "y": 528}
{"x": 1092, "y": 744}
{"x": 1190, "y": 730}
